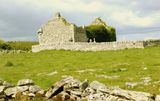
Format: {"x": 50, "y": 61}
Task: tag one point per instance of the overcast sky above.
{"x": 133, "y": 19}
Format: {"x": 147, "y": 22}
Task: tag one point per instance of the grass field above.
{"x": 47, "y": 67}
{"x": 21, "y": 45}
{"x": 17, "y": 45}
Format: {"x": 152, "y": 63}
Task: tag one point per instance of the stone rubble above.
{"x": 145, "y": 81}
{"x": 107, "y": 77}
{"x": 13, "y": 52}
{"x": 70, "y": 89}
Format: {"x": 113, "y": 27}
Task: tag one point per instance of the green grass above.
{"x": 36, "y": 65}
{"x": 21, "y": 45}
{"x": 17, "y": 45}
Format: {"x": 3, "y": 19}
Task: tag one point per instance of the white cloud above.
{"x": 124, "y": 15}
{"x": 121, "y": 14}
{"x": 127, "y": 17}
{"x": 64, "y": 5}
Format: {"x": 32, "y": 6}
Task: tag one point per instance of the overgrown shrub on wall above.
{"x": 101, "y": 33}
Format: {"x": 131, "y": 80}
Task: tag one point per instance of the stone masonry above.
{"x": 69, "y": 89}
{"x": 59, "y": 34}
{"x": 58, "y": 30}
{"x": 90, "y": 46}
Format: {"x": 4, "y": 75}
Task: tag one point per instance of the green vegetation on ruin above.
{"x": 101, "y": 33}
{"x": 47, "y": 67}
{"x": 65, "y": 21}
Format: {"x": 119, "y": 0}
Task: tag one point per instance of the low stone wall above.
{"x": 69, "y": 89}
{"x": 151, "y": 43}
{"x": 90, "y": 46}
{"x": 96, "y": 46}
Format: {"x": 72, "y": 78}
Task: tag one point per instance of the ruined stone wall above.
{"x": 56, "y": 31}
{"x": 152, "y": 42}
{"x": 73, "y": 90}
{"x": 59, "y": 34}
{"x": 80, "y": 34}
{"x": 90, "y": 46}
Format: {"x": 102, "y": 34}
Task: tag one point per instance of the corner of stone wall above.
{"x": 35, "y": 48}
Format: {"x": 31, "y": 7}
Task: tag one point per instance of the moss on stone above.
{"x": 65, "y": 21}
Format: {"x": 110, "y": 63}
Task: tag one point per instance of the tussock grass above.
{"x": 8, "y": 64}
{"x": 138, "y": 62}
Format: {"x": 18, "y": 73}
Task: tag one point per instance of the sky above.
{"x": 133, "y": 19}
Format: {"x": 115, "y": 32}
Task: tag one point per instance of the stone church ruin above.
{"x": 59, "y": 34}
{"x": 58, "y": 30}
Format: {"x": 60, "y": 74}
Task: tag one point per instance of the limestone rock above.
{"x": 31, "y": 95}
{"x": 2, "y": 88}
{"x": 52, "y": 73}
{"x": 64, "y": 81}
{"x": 146, "y": 80}
{"x": 157, "y": 98}
{"x": 123, "y": 69}
{"x": 76, "y": 93}
{"x": 52, "y": 92}
{"x": 42, "y": 92}
{"x": 34, "y": 89}
{"x": 132, "y": 95}
{"x": 7, "y": 85}
{"x": 73, "y": 84}
{"x": 25, "y": 93}
{"x": 107, "y": 77}
{"x": 121, "y": 93}
{"x": 25, "y": 82}
{"x": 96, "y": 85}
{"x": 69, "y": 89}
{"x": 88, "y": 91}
{"x": 14, "y": 95}
{"x": 49, "y": 93}
{"x": 99, "y": 87}
{"x": 11, "y": 91}
{"x": 22, "y": 88}
{"x": 97, "y": 97}
{"x": 132, "y": 84}
{"x": 58, "y": 87}
{"x": 113, "y": 98}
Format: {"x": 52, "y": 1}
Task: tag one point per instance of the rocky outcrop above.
{"x": 70, "y": 89}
